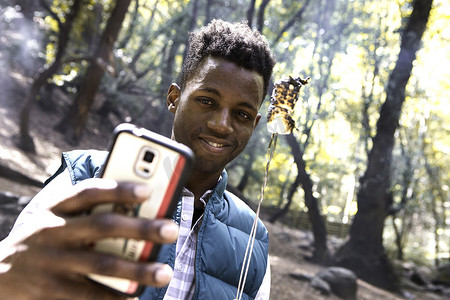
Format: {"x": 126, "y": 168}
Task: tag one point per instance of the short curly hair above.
{"x": 235, "y": 42}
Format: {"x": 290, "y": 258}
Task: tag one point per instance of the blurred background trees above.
{"x": 349, "y": 48}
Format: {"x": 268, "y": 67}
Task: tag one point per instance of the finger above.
{"x": 84, "y": 230}
{"x": 77, "y": 287}
{"x": 84, "y": 289}
{"x": 92, "y": 192}
{"x": 45, "y": 281}
{"x": 84, "y": 262}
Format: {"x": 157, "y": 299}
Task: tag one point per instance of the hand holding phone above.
{"x": 141, "y": 156}
{"x": 49, "y": 257}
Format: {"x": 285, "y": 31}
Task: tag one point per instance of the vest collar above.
{"x": 216, "y": 199}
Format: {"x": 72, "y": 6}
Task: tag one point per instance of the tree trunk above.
{"x": 26, "y": 142}
{"x": 165, "y": 118}
{"x": 283, "y": 190}
{"x": 321, "y": 253}
{"x": 131, "y": 28}
{"x": 74, "y": 121}
{"x": 191, "y": 27}
{"x": 407, "y": 183}
{"x": 247, "y": 171}
{"x": 436, "y": 195}
{"x": 208, "y": 6}
{"x": 398, "y": 239}
{"x": 261, "y": 12}
{"x": 295, "y": 19}
{"x": 193, "y": 20}
{"x": 364, "y": 252}
{"x": 285, "y": 209}
{"x": 251, "y": 12}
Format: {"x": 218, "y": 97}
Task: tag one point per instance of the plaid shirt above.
{"x": 183, "y": 281}
{"x": 182, "y": 284}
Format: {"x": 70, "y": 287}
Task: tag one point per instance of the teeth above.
{"x": 215, "y": 145}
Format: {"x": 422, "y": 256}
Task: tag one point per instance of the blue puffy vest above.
{"x": 221, "y": 243}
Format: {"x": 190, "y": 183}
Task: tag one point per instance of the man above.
{"x": 47, "y": 256}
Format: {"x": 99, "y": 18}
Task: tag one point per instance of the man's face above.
{"x": 216, "y": 113}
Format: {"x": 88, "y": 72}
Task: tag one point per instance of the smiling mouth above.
{"x": 215, "y": 145}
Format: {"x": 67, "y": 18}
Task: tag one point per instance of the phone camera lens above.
{"x": 148, "y": 156}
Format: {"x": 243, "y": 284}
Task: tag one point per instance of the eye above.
{"x": 205, "y": 101}
{"x": 244, "y": 115}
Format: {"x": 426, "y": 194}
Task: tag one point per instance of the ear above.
{"x": 173, "y": 97}
{"x": 258, "y": 117}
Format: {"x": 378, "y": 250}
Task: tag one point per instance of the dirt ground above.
{"x": 285, "y": 255}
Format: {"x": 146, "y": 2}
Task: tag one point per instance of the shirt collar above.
{"x": 206, "y": 195}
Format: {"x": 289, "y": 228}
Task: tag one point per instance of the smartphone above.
{"x": 139, "y": 155}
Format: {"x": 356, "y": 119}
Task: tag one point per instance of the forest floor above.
{"x": 286, "y": 255}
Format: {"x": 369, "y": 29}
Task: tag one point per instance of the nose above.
{"x": 220, "y": 122}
